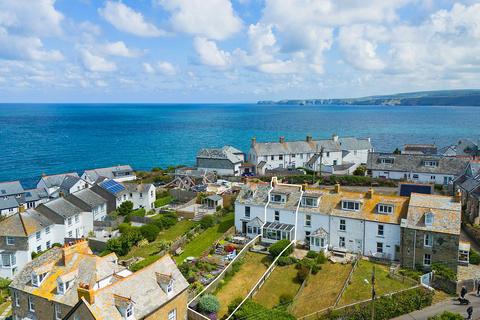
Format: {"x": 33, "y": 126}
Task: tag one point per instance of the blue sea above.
{"x": 55, "y": 138}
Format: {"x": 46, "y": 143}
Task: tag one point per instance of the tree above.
{"x": 125, "y": 208}
{"x": 276, "y": 248}
{"x": 207, "y": 221}
{"x": 208, "y": 304}
{"x": 150, "y": 232}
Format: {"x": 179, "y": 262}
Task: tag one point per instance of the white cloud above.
{"x": 358, "y": 50}
{"x": 29, "y": 17}
{"x": 119, "y": 49}
{"x": 166, "y": 68}
{"x": 147, "y": 67}
{"x": 128, "y": 20}
{"x": 209, "y": 53}
{"x": 213, "y": 19}
{"x": 14, "y": 47}
{"x": 96, "y": 63}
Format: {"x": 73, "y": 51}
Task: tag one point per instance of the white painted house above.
{"x": 223, "y": 161}
{"x": 62, "y": 184}
{"x": 24, "y": 233}
{"x": 90, "y": 201}
{"x": 120, "y": 173}
{"x": 341, "y": 155}
{"x": 416, "y": 167}
{"x": 141, "y": 195}
{"x": 365, "y": 223}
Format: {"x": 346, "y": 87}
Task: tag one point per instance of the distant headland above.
{"x": 470, "y": 97}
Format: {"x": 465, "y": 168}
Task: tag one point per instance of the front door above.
{"x": 244, "y": 227}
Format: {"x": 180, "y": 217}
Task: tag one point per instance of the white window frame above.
{"x": 249, "y": 210}
{"x": 428, "y": 218}
{"x": 69, "y": 221}
{"x": 429, "y": 259}
{"x": 340, "y": 241}
{"x": 170, "y": 287}
{"x": 380, "y": 230}
{"x": 10, "y": 241}
{"x": 342, "y": 225}
{"x": 38, "y": 235}
{"x": 77, "y": 218}
{"x": 308, "y": 220}
{"x": 345, "y": 205}
{"x": 16, "y": 299}
{"x": 281, "y": 198}
{"x": 428, "y": 240}
{"x": 172, "y": 314}
{"x": 58, "y": 312}
{"x": 313, "y": 200}
{"x": 380, "y": 245}
{"x": 129, "y": 312}
{"x": 47, "y": 230}
{"x": 31, "y": 304}
{"x": 384, "y": 208}
{"x": 276, "y": 215}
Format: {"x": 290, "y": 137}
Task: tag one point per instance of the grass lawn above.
{"x": 179, "y": 229}
{"x": 359, "y": 289}
{"x": 205, "y": 239}
{"x": 242, "y": 282}
{"x": 4, "y": 306}
{"x": 322, "y": 288}
{"x": 283, "y": 280}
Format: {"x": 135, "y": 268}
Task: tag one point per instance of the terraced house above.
{"x": 72, "y": 283}
{"x": 367, "y": 223}
{"x": 341, "y": 155}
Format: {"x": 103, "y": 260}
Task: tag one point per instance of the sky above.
{"x": 233, "y": 50}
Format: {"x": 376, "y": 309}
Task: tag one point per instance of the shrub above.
{"x": 207, "y": 221}
{"x": 150, "y": 232}
{"x": 123, "y": 227}
{"x": 285, "y": 261}
{"x": 276, "y": 248}
{"x": 208, "y": 304}
{"x": 122, "y": 244}
{"x": 446, "y": 315}
{"x": 321, "y": 259}
{"x": 360, "y": 171}
{"x": 285, "y": 299}
{"x": 125, "y": 208}
{"x": 253, "y": 310}
{"x": 145, "y": 262}
{"x": 386, "y": 307}
{"x": 474, "y": 257}
{"x": 443, "y": 271}
{"x": 235, "y": 303}
{"x": 138, "y": 213}
{"x": 312, "y": 254}
{"x": 302, "y": 273}
{"x": 4, "y": 283}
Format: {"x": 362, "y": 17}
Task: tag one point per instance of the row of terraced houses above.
{"x": 417, "y": 231}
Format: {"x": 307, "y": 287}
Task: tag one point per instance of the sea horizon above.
{"x": 65, "y": 137}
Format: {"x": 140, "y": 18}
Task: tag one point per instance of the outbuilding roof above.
{"x": 10, "y": 188}
{"x": 226, "y": 152}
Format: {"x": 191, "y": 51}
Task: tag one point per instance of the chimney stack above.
{"x": 274, "y": 181}
{"x": 337, "y": 188}
{"x": 335, "y": 137}
{"x": 282, "y": 139}
{"x": 254, "y": 141}
{"x": 309, "y": 138}
{"x": 370, "y": 193}
{"x": 458, "y": 196}
{"x": 21, "y": 208}
{"x": 86, "y": 292}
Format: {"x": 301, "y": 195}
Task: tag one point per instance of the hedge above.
{"x": 276, "y": 248}
{"x": 446, "y": 315}
{"x": 253, "y": 310}
{"x": 386, "y": 307}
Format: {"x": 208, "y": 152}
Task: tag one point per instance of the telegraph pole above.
{"x": 373, "y": 293}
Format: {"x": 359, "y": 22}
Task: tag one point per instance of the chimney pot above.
{"x": 458, "y": 196}
{"x": 309, "y": 138}
{"x": 282, "y": 139}
{"x": 337, "y": 188}
{"x": 335, "y": 137}
{"x": 254, "y": 141}
{"x": 370, "y": 193}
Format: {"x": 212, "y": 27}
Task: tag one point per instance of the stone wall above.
{"x": 444, "y": 249}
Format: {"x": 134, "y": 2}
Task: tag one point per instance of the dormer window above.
{"x": 385, "y": 208}
{"x": 428, "y": 218}
{"x": 129, "y": 312}
{"x": 279, "y": 198}
{"x": 309, "y": 202}
{"x": 350, "y": 205}
{"x": 386, "y": 160}
{"x": 63, "y": 287}
{"x": 37, "y": 279}
{"x": 165, "y": 281}
{"x": 430, "y": 163}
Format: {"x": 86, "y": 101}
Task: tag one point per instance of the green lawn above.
{"x": 242, "y": 282}
{"x": 323, "y": 288}
{"x": 283, "y": 280}
{"x": 179, "y": 229}
{"x": 205, "y": 239}
{"x": 4, "y": 306}
{"x": 360, "y": 287}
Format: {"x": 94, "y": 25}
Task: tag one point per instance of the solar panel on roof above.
{"x": 112, "y": 186}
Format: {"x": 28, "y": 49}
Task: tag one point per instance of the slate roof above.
{"x": 61, "y": 207}
{"x": 215, "y": 197}
{"x": 82, "y": 266}
{"x": 88, "y": 197}
{"x": 57, "y": 179}
{"x": 227, "y": 152}
{"x": 10, "y": 188}
{"x": 446, "y": 213}
{"x": 69, "y": 181}
{"x": 8, "y": 203}
{"x": 414, "y": 163}
{"x": 23, "y": 224}
{"x": 254, "y": 194}
{"x": 313, "y": 146}
{"x": 110, "y": 172}
{"x": 35, "y": 194}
